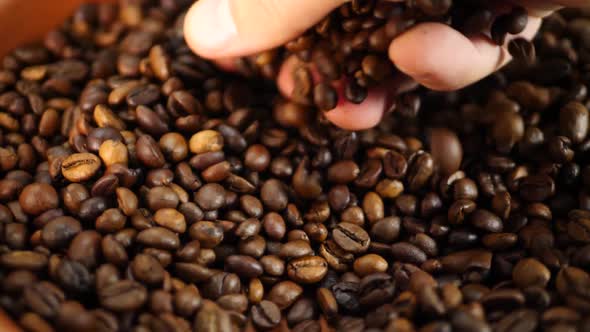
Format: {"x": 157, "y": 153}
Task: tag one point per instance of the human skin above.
{"x": 431, "y": 54}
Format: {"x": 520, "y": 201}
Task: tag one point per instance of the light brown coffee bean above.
{"x": 80, "y": 167}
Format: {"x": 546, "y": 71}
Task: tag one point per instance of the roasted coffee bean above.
{"x": 80, "y": 167}
{"x": 446, "y": 148}
{"x": 285, "y": 293}
{"x": 206, "y": 141}
{"x": 537, "y": 188}
{"x": 325, "y": 97}
{"x": 212, "y": 318}
{"x": 386, "y": 230}
{"x": 578, "y": 224}
{"x": 27, "y": 260}
{"x": 266, "y": 314}
{"x": 161, "y": 197}
{"x": 127, "y": 201}
{"x": 44, "y": 298}
{"x": 171, "y": 219}
{"x": 187, "y": 300}
{"x": 85, "y": 248}
{"x": 573, "y": 121}
{"x": 148, "y": 152}
{"x": 113, "y": 251}
{"x": 73, "y": 276}
{"x": 486, "y": 220}
{"x": 307, "y": 269}
{"x": 521, "y": 320}
{"x": 408, "y": 253}
{"x": 274, "y": 195}
{"x": 110, "y": 221}
{"x": 74, "y": 316}
{"x": 244, "y": 266}
{"x": 522, "y": 50}
{"x": 351, "y": 237}
{"x": 370, "y": 264}
{"x": 295, "y": 248}
{"x": 147, "y": 269}
{"x": 158, "y": 237}
{"x": 92, "y": 207}
{"x": 124, "y": 295}
{"x": 530, "y": 272}
{"x": 60, "y": 231}
{"x": 210, "y": 197}
{"x": 37, "y": 198}
{"x": 113, "y": 152}
{"x": 208, "y": 233}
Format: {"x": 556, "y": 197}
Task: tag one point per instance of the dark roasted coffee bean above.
{"x": 408, "y": 253}
{"x": 244, "y": 266}
{"x": 73, "y": 276}
{"x": 519, "y": 320}
{"x": 530, "y": 272}
{"x": 158, "y": 237}
{"x": 573, "y": 121}
{"x": 446, "y": 148}
{"x": 44, "y": 298}
{"x": 355, "y": 93}
{"x": 522, "y": 50}
{"x": 148, "y": 152}
{"x": 537, "y": 188}
{"x": 486, "y": 220}
{"x": 143, "y": 95}
{"x": 147, "y": 269}
{"x": 325, "y": 97}
{"x": 92, "y": 207}
{"x": 60, "y": 231}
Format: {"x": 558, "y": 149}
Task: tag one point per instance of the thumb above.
{"x": 229, "y": 28}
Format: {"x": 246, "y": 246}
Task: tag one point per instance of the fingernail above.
{"x": 217, "y": 24}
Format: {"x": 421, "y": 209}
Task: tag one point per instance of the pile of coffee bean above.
{"x": 351, "y": 44}
{"x": 143, "y": 190}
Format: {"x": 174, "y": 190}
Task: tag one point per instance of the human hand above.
{"x": 432, "y": 54}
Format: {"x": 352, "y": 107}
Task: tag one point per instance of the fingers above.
{"x": 441, "y": 58}
{"x": 225, "y": 28}
{"x": 32, "y": 19}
